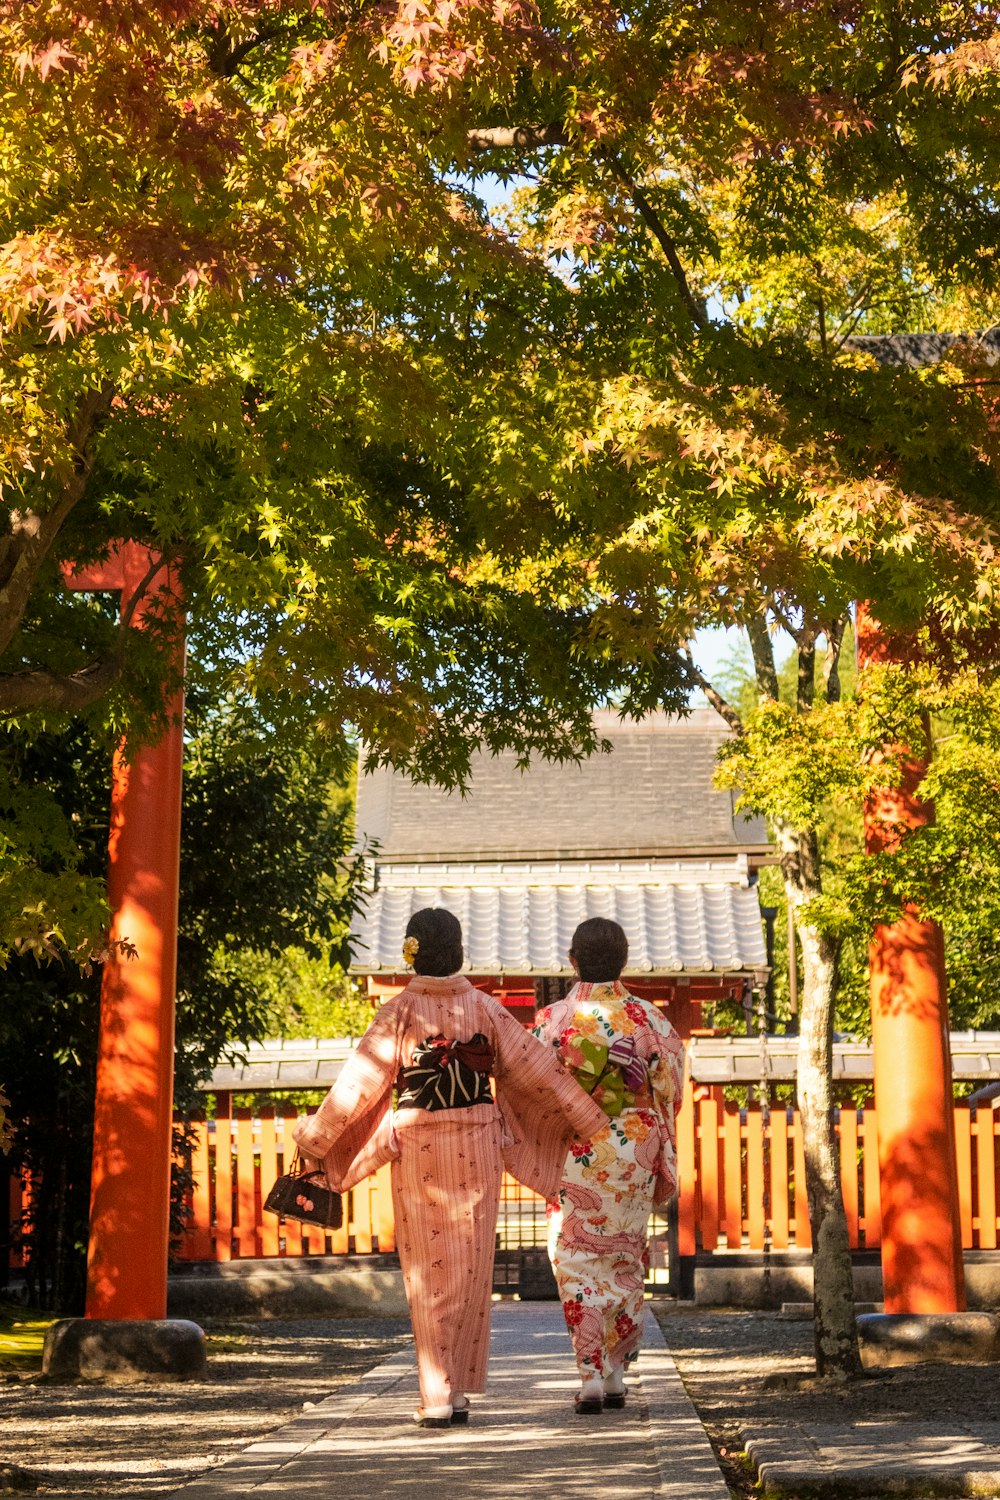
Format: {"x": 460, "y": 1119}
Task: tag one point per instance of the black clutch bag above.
{"x": 305, "y": 1196}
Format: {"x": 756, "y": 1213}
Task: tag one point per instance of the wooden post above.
{"x": 922, "y": 1269}
{"x": 130, "y": 1182}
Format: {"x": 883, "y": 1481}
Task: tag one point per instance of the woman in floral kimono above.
{"x": 628, "y": 1057}
{"x": 438, "y": 1043}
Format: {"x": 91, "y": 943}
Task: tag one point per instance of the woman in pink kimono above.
{"x": 628, "y": 1057}
{"x": 438, "y": 1043}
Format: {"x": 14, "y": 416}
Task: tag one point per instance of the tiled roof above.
{"x": 914, "y": 350}
{"x": 681, "y": 917}
{"x": 651, "y": 796}
{"x": 300, "y": 1064}
{"x": 975, "y": 1056}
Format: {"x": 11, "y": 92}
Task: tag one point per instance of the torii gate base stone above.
{"x": 126, "y": 1332}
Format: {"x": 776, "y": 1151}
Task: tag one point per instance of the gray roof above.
{"x": 975, "y": 1056}
{"x": 301, "y": 1064}
{"x": 913, "y": 350}
{"x": 681, "y": 916}
{"x": 651, "y": 796}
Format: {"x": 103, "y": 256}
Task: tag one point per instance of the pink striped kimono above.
{"x": 447, "y": 1164}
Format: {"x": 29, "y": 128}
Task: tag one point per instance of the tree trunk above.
{"x": 836, "y": 1338}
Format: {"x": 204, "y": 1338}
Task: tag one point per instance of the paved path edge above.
{"x": 790, "y": 1465}
{"x": 676, "y": 1432}
{"x": 264, "y": 1459}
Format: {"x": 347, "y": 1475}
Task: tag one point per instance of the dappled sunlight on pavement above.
{"x": 524, "y": 1436}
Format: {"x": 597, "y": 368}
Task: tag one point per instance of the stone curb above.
{"x": 792, "y": 1463}
{"x": 676, "y": 1432}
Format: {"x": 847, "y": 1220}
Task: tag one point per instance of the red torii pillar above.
{"x": 130, "y": 1182}
{"x": 922, "y": 1270}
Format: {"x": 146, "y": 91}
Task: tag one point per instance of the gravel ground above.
{"x": 93, "y": 1440}
{"x": 756, "y": 1369}
{"x": 739, "y": 1368}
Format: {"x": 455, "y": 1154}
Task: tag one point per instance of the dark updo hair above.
{"x": 439, "y": 934}
{"x": 600, "y": 948}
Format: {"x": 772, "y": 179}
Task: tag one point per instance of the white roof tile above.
{"x": 681, "y": 918}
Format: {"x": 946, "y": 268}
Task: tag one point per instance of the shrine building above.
{"x": 638, "y": 834}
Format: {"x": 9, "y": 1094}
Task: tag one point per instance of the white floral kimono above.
{"x": 629, "y": 1058}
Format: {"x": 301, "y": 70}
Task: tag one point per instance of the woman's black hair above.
{"x": 439, "y": 935}
{"x": 600, "y": 948}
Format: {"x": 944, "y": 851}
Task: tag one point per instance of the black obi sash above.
{"x": 446, "y": 1074}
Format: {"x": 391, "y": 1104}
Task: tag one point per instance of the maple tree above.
{"x": 456, "y": 479}
{"x": 776, "y": 194}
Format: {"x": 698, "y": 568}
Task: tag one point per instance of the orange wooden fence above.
{"x": 742, "y": 1180}
{"x": 740, "y": 1172}
{"x": 226, "y": 1219}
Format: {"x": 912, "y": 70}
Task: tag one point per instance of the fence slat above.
{"x": 338, "y": 1240}
{"x": 383, "y": 1220}
{"x": 291, "y": 1229}
{"x": 779, "y": 1177}
{"x": 18, "y": 1196}
{"x": 963, "y": 1163}
{"x": 246, "y": 1196}
{"x": 687, "y": 1171}
{"x": 985, "y": 1127}
{"x": 803, "y": 1232}
{"x": 361, "y": 1215}
{"x": 755, "y": 1179}
{"x": 198, "y": 1241}
{"x": 733, "y": 1176}
{"x": 708, "y": 1171}
{"x": 269, "y": 1234}
{"x": 223, "y": 1180}
{"x": 870, "y": 1181}
{"x": 849, "y": 1170}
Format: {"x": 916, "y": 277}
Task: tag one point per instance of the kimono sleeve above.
{"x": 666, "y": 1081}
{"x": 667, "y": 1073}
{"x": 543, "y": 1107}
{"x": 350, "y": 1117}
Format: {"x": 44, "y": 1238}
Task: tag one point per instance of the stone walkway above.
{"x": 524, "y": 1438}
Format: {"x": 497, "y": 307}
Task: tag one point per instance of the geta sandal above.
{"x": 423, "y": 1420}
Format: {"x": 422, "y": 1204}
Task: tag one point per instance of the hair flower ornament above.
{"x": 411, "y": 947}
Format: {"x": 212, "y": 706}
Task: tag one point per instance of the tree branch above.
{"x": 785, "y": 621}
{"x": 949, "y": 190}
{"x": 26, "y": 545}
{"x": 805, "y": 684}
{"x": 225, "y": 56}
{"x": 831, "y": 661}
{"x": 763, "y": 656}
{"x": 715, "y": 698}
{"x": 517, "y": 137}
{"x": 696, "y": 308}
{"x": 69, "y": 692}
{"x": 62, "y": 692}
{"x": 159, "y": 563}
{"x": 532, "y": 137}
